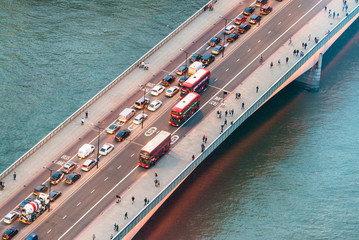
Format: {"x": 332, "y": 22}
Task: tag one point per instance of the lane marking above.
{"x": 289, "y": 14}
{"x": 64, "y": 217}
{"x": 259, "y": 41}
{"x": 78, "y": 204}
{"x": 132, "y": 154}
{"x": 238, "y": 60}
{"x": 227, "y": 69}
{"x": 299, "y": 5}
{"x": 269, "y": 32}
{"x": 279, "y": 23}
{"x": 49, "y": 231}
{"x": 92, "y": 191}
{"x": 105, "y": 179}
{"x": 208, "y": 47}
{"x": 119, "y": 167}
{"x": 249, "y": 50}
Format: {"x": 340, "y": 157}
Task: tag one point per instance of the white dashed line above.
{"x": 105, "y": 179}
{"x": 249, "y": 50}
{"x": 78, "y": 204}
{"x": 289, "y": 14}
{"x": 119, "y": 167}
{"x": 49, "y": 231}
{"x": 259, "y": 41}
{"x": 227, "y": 69}
{"x": 279, "y": 23}
{"x": 226, "y": 45}
{"x": 299, "y": 5}
{"x": 92, "y": 191}
{"x": 208, "y": 47}
{"x": 132, "y": 154}
{"x": 64, "y": 217}
{"x": 238, "y": 60}
{"x": 269, "y": 32}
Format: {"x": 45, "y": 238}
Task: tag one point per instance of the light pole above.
{"x": 225, "y": 24}
{"x": 49, "y": 184}
{"x": 98, "y": 142}
{"x": 186, "y": 55}
{"x": 144, "y": 96}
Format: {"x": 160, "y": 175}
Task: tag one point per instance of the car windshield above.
{"x": 213, "y": 39}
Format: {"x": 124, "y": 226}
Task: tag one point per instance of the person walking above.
{"x": 290, "y": 41}
{"x": 82, "y": 121}
{"x": 126, "y": 216}
{"x": 239, "y": 95}
{"x": 114, "y": 226}
{"x": 232, "y": 112}
{"x": 305, "y": 45}
{"x": 145, "y": 201}
{"x": 86, "y": 114}
{"x": 309, "y": 36}
{"x": 325, "y": 8}
{"x": 225, "y": 113}
{"x": 156, "y": 182}
{"x": 271, "y": 64}
{"x": 118, "y": 198}
{"x": 297, "y": 52}
{"x": 202, "y": 147}
{"x": 156, "y": 175}
{"x": 225, "y": 121}
{"x": 242, "y": 105}
{"x": 193, "y": 157}
{"x": 93, "y": 237}
{"x": 278, "y": 61}
{"x": 14, "y": 175}
{"x": 111, "y": 237}
{"x": 286, "y": 59}
{"x": 294, "y": 52}
{"x": 205, "y": 140}
{"x": 257, "y": 88}
{"x": 133, "y": 199}
{"x": 222, "y": 126}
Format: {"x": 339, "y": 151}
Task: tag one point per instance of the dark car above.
{"x": 23, "y": 203}
{"x": 207, "y": 59}
{"x": 56, "y": 177}
{"x": 123, "y": 134}
{"x": 195, "y": 57}
{"x": 233, "y": 36}
{"x": 240, "y": 19}
{"x": 32, "y": 236}
{"x": 182, "y": 70}
{"x": 254, "y": 19}
{"x": 217, "y": 50}
{"x": 72, "y": 177}
{"x": 248, "y": 10}
{"x": 266, "y": 9}
{"x": 10, "y": 233}
{"x": 69, "y": 167}
{"x": 243, "y": 28}
{"x": 166, "y": 81}
{"x": 113, "y": 128}
{"x": 182, "y": 80}
{"x": 40, "y": 189}
{"x": 214, "y": 41}
{"x": 54, "y": 195}
{"x": 261, "y": 2}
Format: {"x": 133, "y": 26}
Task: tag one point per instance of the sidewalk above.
{"x": 103, "y": 225}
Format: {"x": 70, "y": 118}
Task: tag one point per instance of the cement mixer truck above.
{"x": 33, "y": 209}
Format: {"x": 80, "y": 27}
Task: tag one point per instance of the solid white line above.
{"x": 299, "y": 5}
{"x": 78, "y": 204}
{"x": 132, "y": 154}
{"x": 64, "y": 217}
{"x": 238, "y": 60}
{"x": 92, "y": 191}
{"x": 249, "y": 50}
{"x": 269, "y": 32}
{"x": 105, "y": 179}
{"x": 96, "y": 203}
{"x": 289, "y": 14}
{"x": 119, "y": 167}
{"x": 259, "y": 41}
{"x": 227, "y": 69}
{"x": 208, "y": 47}
{"x": 49, "y": 231}
{"x": 279, "y": 23}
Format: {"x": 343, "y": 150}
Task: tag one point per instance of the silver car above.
{"x": 140, "y": 118}
{"x": 154, "y": 105}
{"x": 11, "y": 217}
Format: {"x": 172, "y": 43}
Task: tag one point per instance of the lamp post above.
{"x": 144, "y": 96}
{"x": 225, "y": 24}
{"x": 186, "y": 55}
{"x": 49, "y": 183}
{"x": 98, "y": 142}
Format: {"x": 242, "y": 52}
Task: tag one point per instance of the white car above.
{"x": 85, "y": 150}
{"x": 106, "y": 149}
{"x": 140, "y": 118}
{"x": 157, "y": 90}
{"x": 229, "y": 29}
{"x": 11, "y": 217}
{"x": 154, "y": 105}
{"x": 172, "y": 91}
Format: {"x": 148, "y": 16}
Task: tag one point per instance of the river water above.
{"x": 291, "y": 170}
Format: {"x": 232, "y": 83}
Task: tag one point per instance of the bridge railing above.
{"x": 102, "y": 92}
{"x": 228, "y": 131}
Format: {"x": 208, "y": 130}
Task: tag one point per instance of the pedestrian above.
{"x": 126, "y": 216}
{"x": 242, "y": 105}
{"x": 333, "y": 14}
{"x": 290, "y": 41}
{"x": 301, "y": 53}
{"x": 286, "y": 59}
{"x": 220, "y": 114}
{"x": 309, "y": 37}
{"x": 222, "y": 126}
{"x": 236, "y": 95}
{"x": 202, "y": 147}
{"x": 156, "y": 182}
{"x": 337, "y": 15}
{"x": 257, "y": 88}
{"x": 205, "y": 140}
{"x": 302, "y": 44}
{"x": 82, "y": 121}
{"x": 217, "y": 115}
{"x": 239, "y": 95}
{"x": 325, "y": 8}
{"x": 114, "y": 226}
{"x": 14, "y": 175}
{"x": 225, "y": 121}
{"x": 232, "y": 112}
{"x": 133, "y": 199}
{"x": 145, "y": 201}
{"x": 148, "y": 201}
{"x": 225, "y": 113}
{"x": 156, "y": 175}
{"x": 297, "y": 52}
{"x": 305, "y": 45}
{"x": 193, "y": 157}
{"x": 86, "y": 114}
{"x": 343, "y": 8}
{"x": 278, "y": 61}
{"x": 271, "y": 64}
{"x": 330, "y": 11}
{"x": 294, "y": 52}
{"x": 118, "y": 198}
{"x": 231, "y": 122}
{"x": 346, "y": 8}
{"x": 111, "y": 237}
{"x": 93, "y": 237}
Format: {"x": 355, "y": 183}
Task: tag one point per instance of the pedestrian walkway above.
{"x": 182, "y": 154}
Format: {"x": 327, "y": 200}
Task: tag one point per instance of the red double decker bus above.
{"x": 154, "y": 149}
{"x": 184, "y": 109}
{"x": 196, "y": 83}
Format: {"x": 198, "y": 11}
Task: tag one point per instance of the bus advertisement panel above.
{"x": 196, "y": 83}
{"x": 184, "y": 109}
{"x": 154, "y": 149}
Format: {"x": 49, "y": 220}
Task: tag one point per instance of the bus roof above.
{"x": 194, "y": 78}
{"x": 151, "y": 145}
{"x": 185, "y": 101}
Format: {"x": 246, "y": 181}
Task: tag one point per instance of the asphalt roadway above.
{"x": 119, "y": 168}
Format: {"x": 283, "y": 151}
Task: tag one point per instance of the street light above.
{"x": 98, "y": 142}
{"x": 144, "y": 96}
{"x": 186, "y": 55}
{"x": 225, "y": 24}
{"x": 49, "y": 182}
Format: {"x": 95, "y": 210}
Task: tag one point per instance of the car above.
{"x": 122, "y": 135}
{"x": 23, "y": 203}
{"x": 157, "y": 90}
{"x": 56, "y": 177}
{"x": 214, "y": 41}
{"x": 140, "y": 118}
{"x": 113, "y": 128}
{"x": 40, "y": 189}
{"x": 232, "y": 37}
{"x": 240, "y": 19}
{"x": 172, "y": 91}
{"x": 106, "y": 149}
{"x": 195, "y": 57}
{"x": 229, "y": 29}
{"x": 217, "y": 50}
{"x": 207, "y": 59}
{"x": 182, "y": 70}
{"x": 142, "y": 103}
{"x": 166, "y": 81}
{"x": 88, "y": 164}
{"x": 154, "y": 105}
{"x": 69, "y": 167}
{"x": 32, "y": 236}
{"x": 259, "y": 3}
{"x": 254, "y": 19}
{"x": 54, "y": 195}
{"x": 72, "y": 177}
{"x": 266, "y": 9}
{"x": 182, "y": 80}
{"x": 248, "y": 10}
{"x": 86, "y": 150}
{"x": 243, "y": 28}
{"x": 11, "y": 217}
{"x": 10, "y": 233}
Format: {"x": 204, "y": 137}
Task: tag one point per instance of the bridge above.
{"x": 91, "y": 201}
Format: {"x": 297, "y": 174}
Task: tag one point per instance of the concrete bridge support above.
{"x": 310, "y": 80}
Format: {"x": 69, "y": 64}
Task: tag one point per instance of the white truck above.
{"x": 194, "y": 67}
{"x": 32, "y": 210}
{"x": 126, "y": 114}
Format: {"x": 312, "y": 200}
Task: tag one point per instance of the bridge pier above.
{"x": 310, "y": 80}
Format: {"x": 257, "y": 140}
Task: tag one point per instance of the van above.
{"x": 126, "y": 114}
{"x": 193, "y": 68}
{"x": 142, "y": 102}
{"x": 85, "y": 150}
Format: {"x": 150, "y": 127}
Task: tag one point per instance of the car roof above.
{"x": 10, "y": 214}
{"x": 207, "y": 55}
{"x": 155, "y": 101}
{"x": 88, "y": 161}
{"x": 157, "y": 87}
